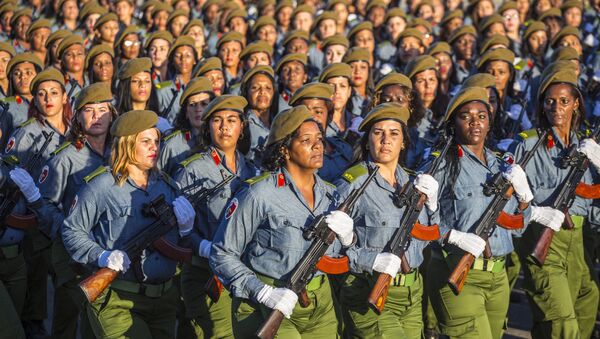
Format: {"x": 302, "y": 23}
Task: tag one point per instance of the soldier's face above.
{"x": 160, "y": 20}
{"x": 4, "y": 59}
{"x": 267, "y": 33}
{"x": 395, "y": 93}
{"x": 341, "y": 92}
{"x": 146, "y": 149}
{"x": 184, "y": 59}
{"x": 443, "y": 63}
{"x": 395, "y": 26}
{"x": 335, "y": 53}
{"x": 108, "y": 31}
{"x": 103, "y": 67}
{"x": 465, "y": 47}
{"x": 177, "y": 25}
{"x": 318, "y": 108}
{"x": 22, "y": 74}
{"x": 95, "y": 119}
{"x": 360, "y": 73}
{"x": 50, "y": 98}
{"x": 327, "y": 28}
{"x": 198, "y": 35}
{"x": 303, "y": 21}
{"x": 572, "y": 41}
{"x": 196, "y": 104}
{"x": 73, "y": 58}
{"x": 538, "y": 42}
{"x": 229, "y": 53}
{"x": 21, "y": 27}
{"x": 258, "y": 58}
{"x": 284, "y": 16}
{"x": 225, "y": 129}
{"x": 70, "y": 10}
{"x": 297, "y": 46}
{"x": 306, "y": 148}
{"x": 501, "y": 72}
{"x": 141, "y": 87}
{"x": 217, "y": 80}
{"x": 573, "y": 17}
{"x": 560, "y": 105}
{"x": 131, "y": 46}
{"x": 260, "y": 92}
{"x": 426, "y": 84}
{"x": 386, "y": 140}
{"x": 158, "y": 52}
{"x": 472, "y": 123}
{"x": 124, "y": 10}
{"x": 38, "y": 39}
{"x": 293, "y": 75}
{"x": 365, "y": 39}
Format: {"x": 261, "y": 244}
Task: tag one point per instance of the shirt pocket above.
{"x": 379, "y": 229}
{"x": 286, "y": 233}
{"x": 466, "y": 199}
{"x": 117, "y": 217}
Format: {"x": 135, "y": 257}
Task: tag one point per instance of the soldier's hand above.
{"x": 343, "y": 226}
{"x": 548, "y": 216}
{"x": 468, "y": 242}
{"x": 24, "y": 181}
{"x": 204, "y": 248}
{"x": 185, "y": 214}
{"x": 591, "y": 149}
{"x": 388, "y": 263}
{"x": 115, "y": 260}
{"x": 282, "y": 299}
{"x": 518, "y": 179}
{"x": 427, "y": 185}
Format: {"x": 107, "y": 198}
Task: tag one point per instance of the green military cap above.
{"x": 60, "y": 4}
{"x": 123, "y": 33}
{"x": 37, "y": 24}
{"x": 336, "y": 39}
{"x": 283, "y": 4}
{"x": 256, "y": 47}
{"x": 229, "y": 6}
{"x": 393, "y": 79}
{"x": 231, "y": 36}
{"x": 176, "y": 13}
{"x": 326, "y": 15}
{"x": 558, "y": 76}
{"x": 489, "y": 21}
{"x": 335, "y": 70}
{"x": 357, "y": 54}
{"x": 463, "y": 30}
{"x": 184, "y": 40}
{"x": 192, "y": 23}
{"x": 299, "y": 57}
{"x": 495, "y": 39}
{"x": 332, "y": 3}
{"x": 196, "y": 86}
{"x": 385, "y": 111}
{"x": 60, "y": 34}
{"x": 264, "y": 3}
{"x": 439, "y": 47}
{"x": 104, "y": 18}
{"x": 8, "y": 48}
{"x": 412, "y": 32}
{"x": 565, "y": 53}
{"x": 508, "y": 5}
{"x": 560, "y": 65}
{"x": 297, "y": 34}
{"x": 7, "y": 7}
{"x": 165, "y": 35}
{"x": 533, "y": 27}
{"x": 160, "y": 7}
{"x": 24, "y": 57}
{"x": 93, "y": 94}
{"x": 227, "y": 102}
{"x": 236, "y": 13}
{"x": 286, "y": 122}
{"x": 419, "y": 64}
{"x": 49, "y": 74}
{"x": 365, "y": 25}
{"x": 565, "y": 31}
{"x": 97, "y": 50}
{"x": 259, "y": 69}
{"x": 313, "y": 90}
{"x": 209, "y": 64}
{"x": 424, "y": 3}
{"x": 91, "y": 8}
{"x": 416, "y": 22}
{"x": 303, "y": 8}
{"x": 551, "y": 13}
{"x": 67, "y": 42}
{"x": 150, "y": 3}
{"x": 395, "y": 12}
{"x": 133, "y": 122}
{"x": 498, "y": 54}
{"x": 570, "y": 4}
{"x": 263, "y": 21}
{"x": 135, "y": 66}
{"x": 210, "y": 3}
{"x": 19, "y": 13}
{"x": 484, "y": 80}
{"x": 466, "y": 95}
{"x": 457, "y": 13}
{"x": 375, "y": 3}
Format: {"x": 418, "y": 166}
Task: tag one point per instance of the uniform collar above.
{"x": 285, "y": 179}
{"x": 400, "y": 175}
{"x": 490, "y": 157}
{"x": 152, "y": 179}
{"x": 558, "y": 141}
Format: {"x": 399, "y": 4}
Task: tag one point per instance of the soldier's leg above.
{"x": 412, "y": 318}
{"x": 497, "y": 303}
{"x": 246, "y": 317}
{"x": 66, "y": 313}
{"x": 37, "y": 256}
{"x": 160, "y": 313}
{"x": 429, "y": 319}
{"x": 111, "y": 316}
{"x": 319, "y": 319}
{"x": 513, "y": 266}
{"x": 13, "y": 283}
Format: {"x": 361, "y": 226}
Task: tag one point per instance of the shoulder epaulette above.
{"x": 167, "y": 178}
{"x": 170, "y": 136}
{"x": 163, "y": 84}
{"x": 191, "y": 158}
{"x": 354, "y": 172}
{"x": 9, "y": 99}
{"x": 528, "y": 134}
{"x": 329, "y": 184}
{"x": 410, "y": 172}
{"x": 61, "y": 148}
{"x": 28, "y": 122}
{"x": 258, "y": 178}
{"x": 94, "y": 174}
{"x": 10, "y": 160}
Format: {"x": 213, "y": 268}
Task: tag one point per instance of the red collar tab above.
{"x": 18, "y": 99}
{"x": 461, "y": 153}
{"x": 153, "y": 75}
{"x": 178, "y": 85}
{"x": 550, "y": 142}
{"x": 188, "y": 136}
{"x": 215, "y": 157}
{"x": 280, "y": 180}
{"x": 285, "y": 96}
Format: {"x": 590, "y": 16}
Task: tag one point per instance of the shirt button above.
{"x": 287, "y": 223}
{"x": 469, "y": 194}
{"x": 383, "y": 223}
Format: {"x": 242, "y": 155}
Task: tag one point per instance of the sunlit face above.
{"x": 196, "y": 104}
{"x": 260, "y": 92}
{"x": 365, "y": 39}
{"x": 360, "y": 73}
{"x": 212, "y": 14}
{"x": 560, "y": 105}
{"x": 297, "y": 45}
{"x": 238, "y": 24}
{"x": 217, "y": 79}
{"x": 386, "y": 141}
{"x": 5, "y": 21}
{"x": 124, "y": 10}
{"x": 395, "y": 25}
{"x": 327, "y": 28}
{"x": 258, "y": 58}
{"x": 542, "y": 6}
{"x": 426, "y": 84}
{"x": 538, "y": 42}
{"x": 198, "y": 35}
{"x": 495, "y": 28}
{"x": 158, "y": 51}
{"x": 425, "y": 12}
{"x": 95, "y": 119}
{"x": 523, "y": 7}
{"x": 184, "y": 59}
{"x": 501, "y": 72}
{"x": 284, "y": 16}
{"x": 341, "y": 14}
{"x": 318, "y": 108}
{"x": 335, "y": 53}
{"x": 103, "y": 67}
{"x": 444, "y": 65}
{"x": 303, "y": 21}
{"x": 21, "y": 26}
{"x": 376, "y": 15}
{"x": 21, "y": 76}
{"x": 38, "y": 39}
{"x": 69, "y": 10}
{"x": 573, "y": 42}
{"x": 50, "y": 98}
{"x": 395, "y": 93}
{"x": 306, "y": 148}
{"x": 472, "y": 123}
{"x": 108, "y": 31}
{"x": 141, "y": 87}
{"x": 73, "y": 58}
{"x": 146, "y": 149}
{"x": 341, "y": 92}
{"x": 160, "y": 20}
{"x": 267, "y": 33}
{"x": 512, "y": 20}
{"x": 293, "y": 75}
{"x": 484, "y": 8}
{"x": 465, "y": 46}
{"x": 229, "y": 53}
{"x": 410, "y": 48}
{"x": 225, "y": 129}
{"x": 130, "y": 47}
{"x": 177, "y": 25}
{"x": 4, "y": 60}
{"x": 573, "y": 17}
{"x": 454, "y": 24}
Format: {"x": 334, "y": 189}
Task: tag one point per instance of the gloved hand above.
{"x": 25, "y": 182}
{"x": 282, "y": 299}
{"x": 388, "y": 263}
{"x": 427, "y": 185}
{"x": 518, "y": 179}
{"x": 184, "y": 212}
{"x": 548, "y": 216}
{"x": 591, "y": 149}
{"x": 355, "y": 124}
{"x": 469, "y": 242}
{"x": 115, "y": 260}
{"x": 342, "y": 225}
{"x": 204, "y": 248}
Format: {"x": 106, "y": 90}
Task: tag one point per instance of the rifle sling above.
{"x": 21, "y": 221}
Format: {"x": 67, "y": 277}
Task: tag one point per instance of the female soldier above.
{"x": 176, "y": 146}
{"x": 339, "y": 76}
{"x": 100, "y": 65}
{"x": 157, "y": 47}
{"x": 217, "y": 159}
{"x": 292, "y": 73}
{"x": 442, "y": 52}
{"x": 106, "y": 29}
{"x": 563, "y": 295}
{"x": 195, "y": 29}
{"x": 72, "y": 59}
{"x": 261, "y": 239}
{"x": 386, "y": 135}
{"x": 362, "y": 80}
{"x": 334, "y": 49}
{"x": 535, "y": 46}
{"x": 52, "y": 44}
{"x": 20, "y": 22}
{"x": 213, "y": 70}
{"x": 479, "y": 311}
{"x": 107, "y": 214}
{"x": 7, "y": 52}
{"x": 127, "y": 45}
{"x": 229, "y": 48}
{"x": 68, "y": 11}
{"x": 88, "y": 16}
{"x": 37, "y": 34}
{"x": 135, "y": 90}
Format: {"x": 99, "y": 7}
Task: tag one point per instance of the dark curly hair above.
{"x": 181, "y": 122}
{"x": 361, "y": 149}
{"x": 415, "y": 106}
{"x": 76, "y": 134}
{"x": 205, "y": 141}
{"x": 274, "y": 156}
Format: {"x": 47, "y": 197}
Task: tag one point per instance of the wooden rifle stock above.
{"x": 96, "y": 283}
{"x": 540, "y": 251}
{"x": 457, "y": 278}
{"x": 379, "y": 292}
{"x": 271, "y": 325}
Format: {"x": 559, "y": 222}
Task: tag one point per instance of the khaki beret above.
{"x": 97, "y": 50}
{"x": 176, "y": 13}
{"x": 365, "y": 25}
{"x": 160, "y": 7}
{"x": 37, "y": 24}
{"x": 508, "y": 5}
{"x": 260, "y": 69}
{"x": 67, "y": 42}
{"x": 558, "y": 77}
{"x": 24, "y": 57}
{"x": 331, "y": 4}
{"x": 210, "y": 3}
{"x": 184, "y": 40}
{"x": 457, "y": 13}
{"x": 416, "y": 22}
{"x": 283, "y": 4}
{"x": 489, "y": 21}
{"x": 313, "y": 90}
{"x": 419, "y": 64}
{"x": 196, "y": 86}
{"x": 209, "y": 64}
{"x": 60, "y": 34}
{"x": 395, "y": 12}
{"x": 357, "y": 54}
{"x": 286, "y": 122}
{"x": 133, "y": 122}
{"x": 93, "y": 94}
{"x": 229, "y": 6}
{"x": 165, "y": 35}
{"x": 123, "y": 33}
{"x": 19, "y": 13}
{"x": 565, "y": 53}
{"x": 385, "y": 111}
{"x": 326, "y": 15}
{"x": 49, "y": 74}
{"x": 110, "y": 16}
{"x": 7, "y": 7}
{"x": 412, "y": 32}
{"x": 263, "y": 21}
{"x": 61, "y": 3}
{"x": 299, "y": 57}
{"x": 336, "y": 39}
{"x": 264, "y": 3}
{"x": 231, "y": 36}
{"x": 570, "y": 4}
{"x": 393, "y": 79}
{"x": 236, "y": 13}
{"x": 551, "y": 13}
{"x": 565, "y": 31}
{"x": 91, "y": 8}
{"x": 298, "y": 34}
{"x": 495, "y": 39}
{"x": 498, "y": 54}
{"x": 150, "y": 3}
{"x": 439, "y": 47}
{"x": 424, "y": 3}
{"x": 192, "y": 23}
{"x": 227, "y": 102}
{"x": 533, "y": 27}
{"x": 256, "y": 47}
{"x": 375, "y": 3}
{"x": 335, "y": 70}
{"x": 466, "y": 95}
{"x": 463, "y": 30}
{"x": 135, "y": 66}
{"x": 8, "y": 48}
{"x": 484, "y": 80}
{"x": 560, "y": 65}
{"x": 303, "y": 8}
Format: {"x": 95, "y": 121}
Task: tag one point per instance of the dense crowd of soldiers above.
{"x": 310, "y": 168}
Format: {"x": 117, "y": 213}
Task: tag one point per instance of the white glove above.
{"x": 388, "y": 263}
{"x": 548, "y": 216}
{"x": 282, "y": 299}
{"x": 427, "y": 185}
{"x": 184, "y": 212}
{"x": 204, "y": 248}
{"x": 25, "y": 182}
{"x": 591, "y": 149}
{"x": 518, "y": 179}
{"x": 469, "y": 242}
{"x": 115, "y": 260}
{"x": 355, "y": 124}
{"x": 342, "y": 225}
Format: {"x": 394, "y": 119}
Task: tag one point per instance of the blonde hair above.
{"x": 123, "y": 155}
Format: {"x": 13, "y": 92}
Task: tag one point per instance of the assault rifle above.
{"x": 93, "y": 286}
{"x": 502, "y": 191}
{"x": 166, "y": 112}
{"x": 413, "y": 201}
{"x": 522, "y": 102}
{"x": 321, "y": 237}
